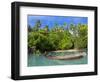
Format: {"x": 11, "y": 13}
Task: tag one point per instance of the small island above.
{"x": 57, "y": 41}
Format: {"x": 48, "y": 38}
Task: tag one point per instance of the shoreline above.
{"x": 68, "y": 57}
{"x": 69, "y": 50}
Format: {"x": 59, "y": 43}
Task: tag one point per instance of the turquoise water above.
{"x": 43, "y": 61}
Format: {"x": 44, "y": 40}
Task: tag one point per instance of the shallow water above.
{"x": 43, "y": 61}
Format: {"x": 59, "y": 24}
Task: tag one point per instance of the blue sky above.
{"x": 60, "y": 20}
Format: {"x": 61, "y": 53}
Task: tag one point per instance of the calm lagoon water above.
{"x": 43, "y": 61}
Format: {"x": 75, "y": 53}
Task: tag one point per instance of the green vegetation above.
{"x": 42, "y": 40}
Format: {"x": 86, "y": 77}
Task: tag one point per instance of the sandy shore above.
{"x": 68, "y": 50}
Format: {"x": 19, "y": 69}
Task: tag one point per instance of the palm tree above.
{"x": 37, "y": 25}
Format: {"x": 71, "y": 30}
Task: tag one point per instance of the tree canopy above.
{"x": 57, "y": 38}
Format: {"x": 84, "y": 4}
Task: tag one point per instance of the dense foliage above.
{"x": 41, "y": 40}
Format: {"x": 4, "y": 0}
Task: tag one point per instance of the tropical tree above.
{"x": 46, "y": 28}
{"x": 65, "y": 42}
{"x": 37, "y": 25}
{"x": 81, "y": 40}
